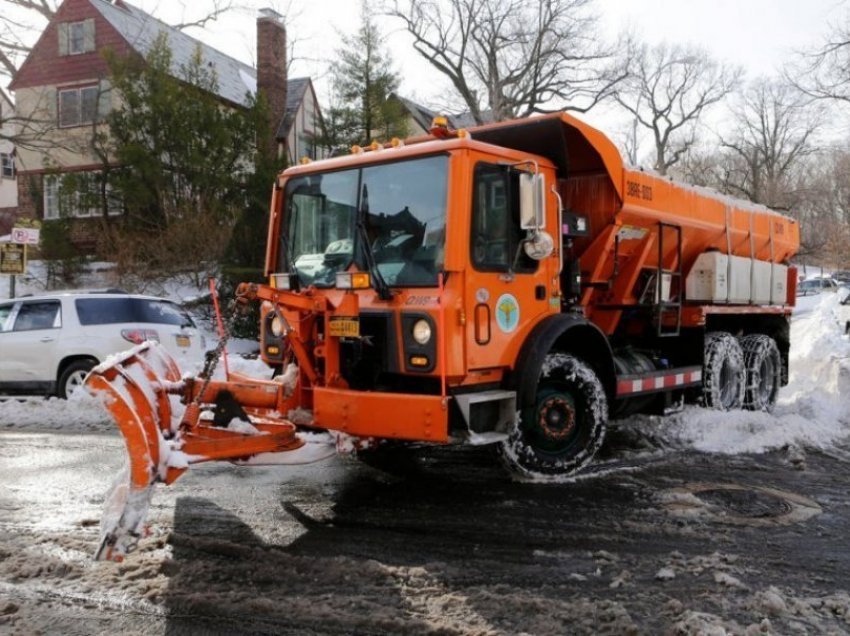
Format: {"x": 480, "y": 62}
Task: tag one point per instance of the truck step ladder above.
{"x": 665, "y": 308}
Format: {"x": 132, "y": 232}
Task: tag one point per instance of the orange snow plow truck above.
{"x": 513, "y": 284}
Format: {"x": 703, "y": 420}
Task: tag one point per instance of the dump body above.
{"x": 627, "y": 207}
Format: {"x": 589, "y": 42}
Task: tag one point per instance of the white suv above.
{"x": 49, "y": 343}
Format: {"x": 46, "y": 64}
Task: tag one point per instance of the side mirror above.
{"x": 532, "y": 201}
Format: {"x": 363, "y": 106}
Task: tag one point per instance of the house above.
{"x": 419, "y": 117}
{"x": 302, "y": 121}
{"x": 64, "y": 87}
{"x": 8, "y": 178}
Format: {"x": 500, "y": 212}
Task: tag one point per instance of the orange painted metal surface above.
{"x": 390, "y": 415}
{"x": 135, "y": 389}
{"x": 624, "y": 207}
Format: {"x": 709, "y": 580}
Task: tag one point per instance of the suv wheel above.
{"x": 73, "y": 376}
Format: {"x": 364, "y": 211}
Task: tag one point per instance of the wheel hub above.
{"x": 557, "y": 418}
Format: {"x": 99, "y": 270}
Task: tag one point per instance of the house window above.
{"x": 78, "y": 195}
{"x": 51, "y": 198}
{"x": 7, "y": 165}
{"x": 77, "y": 106}
{"x": 76, "y": 37}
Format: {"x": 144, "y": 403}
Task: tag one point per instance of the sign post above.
{"x": 13, "y": 262}
{"x": 13, "y": 255}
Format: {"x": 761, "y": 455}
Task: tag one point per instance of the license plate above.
{"x": 345, "y": 327}
{"x": 183, "y": 341}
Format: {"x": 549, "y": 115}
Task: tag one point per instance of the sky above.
{"x": 762, "y": 36}
{"x": 759, "y": 35}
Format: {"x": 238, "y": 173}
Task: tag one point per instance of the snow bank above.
{"x": 80, "y": 413}
{"x": 812, "y": 411}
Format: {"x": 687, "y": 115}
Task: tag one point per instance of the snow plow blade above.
{"x": 140, "y": 388}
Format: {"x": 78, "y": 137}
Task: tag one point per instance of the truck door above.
{"x": 506, "y": 290}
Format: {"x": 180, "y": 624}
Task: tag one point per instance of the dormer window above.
{"x": 76, "y": 38}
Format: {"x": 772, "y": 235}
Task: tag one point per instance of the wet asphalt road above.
{"x": 665, "y": 542}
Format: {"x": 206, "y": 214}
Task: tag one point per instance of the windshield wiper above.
{"x": 380, "y": 284}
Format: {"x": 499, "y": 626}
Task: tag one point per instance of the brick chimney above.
{"x": 271, "y": 74}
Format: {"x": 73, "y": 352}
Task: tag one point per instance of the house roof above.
{"x": 237, "y": 82}
{"x": 424, "y": 116}
{"x": 296, "y": 89}
{"x": 421, "y": 115}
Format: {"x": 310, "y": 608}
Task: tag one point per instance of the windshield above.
{"x": 404, "y": 209}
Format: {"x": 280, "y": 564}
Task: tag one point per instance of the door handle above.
{"x": 47, "y": 339}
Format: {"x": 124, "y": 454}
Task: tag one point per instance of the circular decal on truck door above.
{"x": 507, "y": 313}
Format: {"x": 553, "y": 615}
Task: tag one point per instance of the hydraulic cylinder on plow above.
{"x": 139, "y": 389}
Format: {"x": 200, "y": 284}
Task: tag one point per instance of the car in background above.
{"x": 844, "y": 311}
{"x": 812, "y": 286}
{"x": 842, "y": 277}
{"x": 49, "y": 343}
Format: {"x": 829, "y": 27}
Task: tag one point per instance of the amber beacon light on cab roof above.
{"x": 513, "y": 284}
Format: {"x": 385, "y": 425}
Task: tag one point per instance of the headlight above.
{"x": 276, "y": 326}
{"x": 421, "y": 331}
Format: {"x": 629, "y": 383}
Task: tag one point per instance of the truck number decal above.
{"x": 420, "y": 300}
{"x": 635, "y": 189}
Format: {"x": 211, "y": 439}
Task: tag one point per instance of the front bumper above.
{"x": 404, "y": 416}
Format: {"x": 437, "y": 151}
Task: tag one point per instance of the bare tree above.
{"x": 823, "y": 206}
{"x": 667, "y": 91}
{"x": 774, "y": 132}
{"x": 512, "y": 58}
{"x": 21, "y": 21}
{"x": 825, "y": 72}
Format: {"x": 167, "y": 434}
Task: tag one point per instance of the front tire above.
{"x": 724, "y": 374}
{"x": 73, "y": 376}
{"x": 559, "y": 433}
{"x": 763, "y": 364}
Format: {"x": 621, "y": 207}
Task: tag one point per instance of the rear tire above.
{"x": 763, "y": 364}
{"x": 73, "y": 376}
{"x": 724, "y": 373}
{"x": 561, "y": 431}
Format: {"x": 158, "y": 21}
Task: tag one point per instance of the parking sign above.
{"x": 25, "y": 235}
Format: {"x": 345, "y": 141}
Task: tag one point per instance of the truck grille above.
{"x": 364, "y": 360}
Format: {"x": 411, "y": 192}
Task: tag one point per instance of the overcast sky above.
{"x": 760, "y": 35}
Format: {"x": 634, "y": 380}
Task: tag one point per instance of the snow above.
{"x": 81, "y": 413}
{"x": 813, "y": 411}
